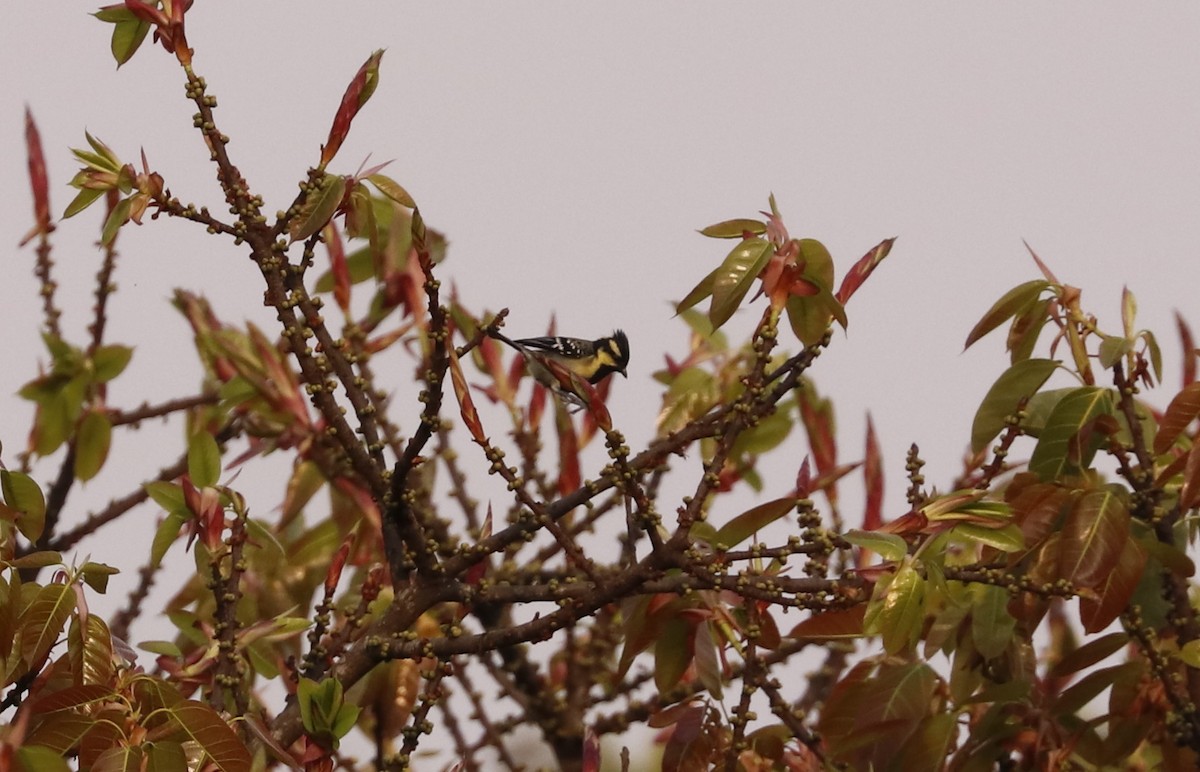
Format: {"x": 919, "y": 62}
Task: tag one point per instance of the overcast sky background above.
{"x": 570, "y": 152}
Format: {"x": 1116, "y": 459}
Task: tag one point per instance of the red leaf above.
{"x": 588, "y": 426}
{"x": 1184, "y": 407}
{"x": 1050, "y": 277}
{"x": 804, "y": 480}
{"x": 591, "y": 751}
{"x": 537, "y": 404}
{"x": 212, "y": 735}
{"x": 333, "y": 574}
{"x": 357, "y": 93}
{"x": 1115, "y": 591}
{"x": 38, "y": 182}
{"x": 569, "y": 475}
{"x": 832, "y": 625}
{"x": 1190, "y": 493}
{"x": 476, "y": 572}
{"x": 1189, "y": 349}
{"x": 688, "y": 748}
{"x": 817, "y": 415}
{"x": 863, "y": 268}
{"x": 1037, "y": 508}
{"x": 873, "y": 472}
{"x": 466, "y": 404}
{"x": 752, "y": 521}
{"x": 338, "y": 267}
{"x": 147, "y": 13}
{"x": 1094, "y": 536}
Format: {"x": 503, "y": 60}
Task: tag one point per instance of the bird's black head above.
{"x": 613, "y": 353}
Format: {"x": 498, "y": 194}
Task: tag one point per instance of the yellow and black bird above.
{"x": 591, "y": 360}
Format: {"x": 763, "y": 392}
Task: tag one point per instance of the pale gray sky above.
{"x": 570, "y": 152}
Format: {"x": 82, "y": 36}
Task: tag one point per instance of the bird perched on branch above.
{"x": 556, "y": 361}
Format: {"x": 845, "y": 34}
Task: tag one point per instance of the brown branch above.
{"x": 124, "y": 618}
{"x": 104, "y": 286}
{"x": 146, "y": 411}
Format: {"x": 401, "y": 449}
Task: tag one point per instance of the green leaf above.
{"x": 92, "y": 444}
{"x": 1006, "y": 307}
{"x": 753, "y": 520}
{"x": 23, "y": 494}
{"x": 897, "y": 611}
{"x": 90, "y": 651}
{"x": 1006, "y": 539}
{"x": 889, "y": 546}
{"x": 765, "y": 435}
{"x": 105, "y": 158}
{"x": 39, "y": 758}
{"x": 42, "y": 622}
{"x": 809, "y": 316}
{"x": 672, "y": 652}
{"x": 204, "y": 459}
{"x": 264, "y": 538}
{"x": 948, "y": 506}
{"x": 690, "y": 394}
{"x": 393, "y": 190}
{"x": 55, "y": 419}
{"x": 734, "y": 229}
{"x": 323, "y": 710}
{"x": 162, "y": 648}
{"x": 344, "y": 720}
{"x": 699, "y": 292}
{"x": 1155, "y": 353}
{"x": 319, "y": 207}
{"x": 698, "y": 323}
{"x": 1026, "y": 327}
{"x": 83, "y": 199}
{"x": 110, "y": 361}
{"x": 166, "y": 534}
{"x": 116, "y": 218}
{"x": 832, "y": 305}
{"x": 360, "y": 265}
{"x": 38, "y": 559}
{"x": 1190, "y": 654}
{"x": 1018, "y": 382}
{"x": 734, "y": 278}
{"x": 128, "y": 31}
{"x": 1113, "y": 349}
{"x": 95, "y": 575}
{"x": 1040, "y": 406}
{"x": 991, "y": 624}
{"x": 1061, "y": 449}
{"x": 167, "y": 495}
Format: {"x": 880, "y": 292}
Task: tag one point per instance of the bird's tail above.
{"x": 505, "y": 339}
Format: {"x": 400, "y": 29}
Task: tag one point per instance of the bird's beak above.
{"x": 623, "y": 373}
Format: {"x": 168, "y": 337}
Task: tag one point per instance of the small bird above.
{"x": 591, "y": 360}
